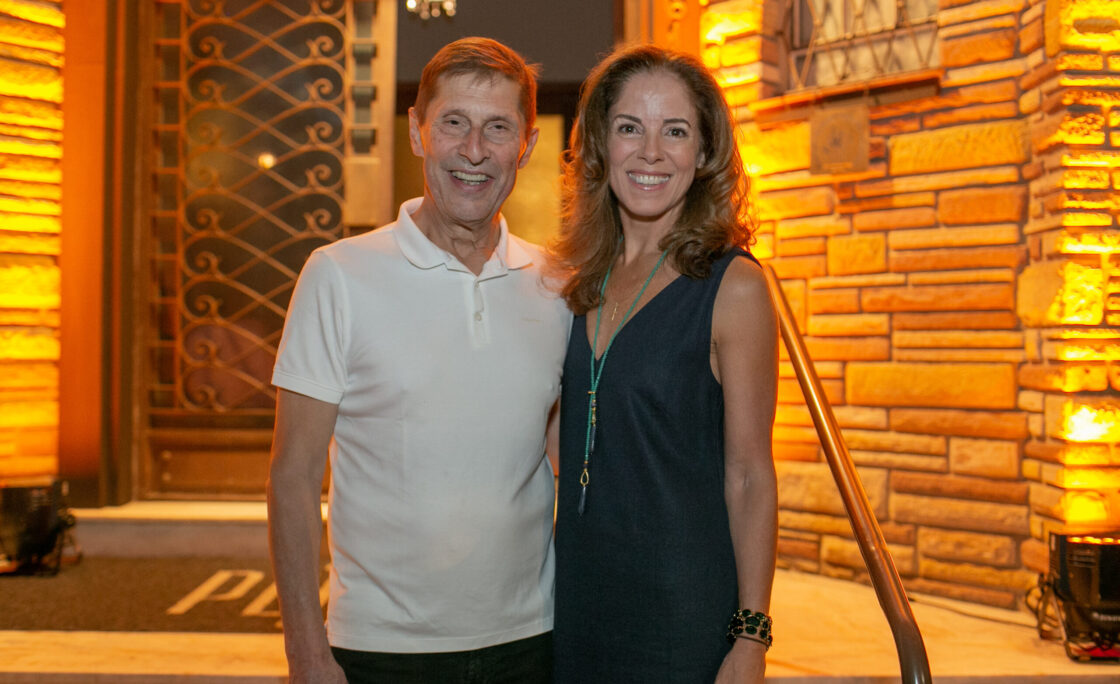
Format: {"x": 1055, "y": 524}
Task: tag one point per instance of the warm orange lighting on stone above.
{"x": 35, "y": 13}
{"x": 1080, "y": 61}
{"x": 1089, "y": 455}
{"x": 1087, "y": 219}
{"x": 1096, "y": 158}
{"x": 1084, "y": 423}
{"x": 31, "y": 148}
{"x": 1074, "y": 199}
{"x": 33, "y": 81}
{"x": 746, "y": 51}
{"x": 1085, "y": 508}
{"x": 1090, "y": 243}
{"x": 31, "y": 344}
{"x": 25, "y": 223}
{"x": 1062, "y": 293}
{"x": 1085, "y": 204}
{"x": 740, "y": 75}
{"x": 1082, "y": 334}
{"x": 1096, "y": 479}
{"x": 778, "y": 149}
{"x": 29, "y": 414}
{"x": 1088, "y": 24}
{"x": 1082, "y": 298}
{"x": 1075, "y": 298}
{"x": 1104, "y": 82}
{"x": 18, "y": 111}
{"x": 28, "y": 282}
{"x": 30, "y": 209}
{"x": 731, "y": 19}
{"x": 1013, "y": 165}
{"x": 1088, "y": 352}
{"x": 763, "y": 247}
{"x": 1095, "y": 179}
{"x": 1084, "y": 129}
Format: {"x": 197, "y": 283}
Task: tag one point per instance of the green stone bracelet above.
{"x": 747, "y": 624}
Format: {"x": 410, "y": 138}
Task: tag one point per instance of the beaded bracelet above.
{"x": 747, "y": 624}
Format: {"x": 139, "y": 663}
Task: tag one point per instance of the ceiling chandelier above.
{"x": 431, "y": 8}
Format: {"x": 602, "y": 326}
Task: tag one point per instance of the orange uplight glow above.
{"x": 1094, "y": 540}
{"x": 1103, "y": 243}
{"x": 1089, "y": 352}
{"x": 1082, "y": 295}
{"x": 30, "y": 207}
{"x": 1091, "y": 424}
{"x": 1084, "y": 508}
{"x": 1098, "y": 479}
{"x": 732, "y": 19}
{"x": 1083, "y": 28}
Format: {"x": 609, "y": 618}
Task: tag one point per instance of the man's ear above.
{"x": 530, "y": 143}
{"x": 414, "y": 138}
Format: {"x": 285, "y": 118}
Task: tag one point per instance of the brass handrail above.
{"x": 880, "y": 566}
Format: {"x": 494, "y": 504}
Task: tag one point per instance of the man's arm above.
{"x": 295, "y": 522}
{"x": 552, "y": 437}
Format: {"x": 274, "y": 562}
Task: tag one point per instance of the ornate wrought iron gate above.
{"x": 258, "y": 107}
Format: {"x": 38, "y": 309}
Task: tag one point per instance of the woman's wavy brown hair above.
{"x": 715, "y": 214}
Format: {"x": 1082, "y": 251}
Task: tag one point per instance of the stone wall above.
{"x": 30, "y": 154}
{"x": 1069, "y": 294}
{"x": 959, "y": 296}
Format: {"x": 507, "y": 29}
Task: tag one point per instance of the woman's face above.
{"x": 653, "y": 148}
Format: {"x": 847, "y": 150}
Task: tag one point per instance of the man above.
{"x": 426, "y": 357}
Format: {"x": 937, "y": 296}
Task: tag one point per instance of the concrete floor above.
{"x": 826, "y": 631}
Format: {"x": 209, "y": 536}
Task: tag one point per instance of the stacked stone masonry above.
{"x": 30, "y": 178}
{"x": 960, "y": 297}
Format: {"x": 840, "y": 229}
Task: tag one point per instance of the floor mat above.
{"x": 145, "y": 594}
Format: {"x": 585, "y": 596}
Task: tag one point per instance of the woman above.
{"x": 667, "y": 509}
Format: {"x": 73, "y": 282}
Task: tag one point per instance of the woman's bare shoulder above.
{"x": 743, "y": 282}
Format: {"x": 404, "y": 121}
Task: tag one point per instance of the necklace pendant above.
{"x": 597, "y": 371}
{"x": 584, "y": 479}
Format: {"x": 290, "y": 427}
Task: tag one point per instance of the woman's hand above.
{"x": 745, "y": 664}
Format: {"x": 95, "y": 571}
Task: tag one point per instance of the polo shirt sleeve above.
{"x": 311, "y": 359}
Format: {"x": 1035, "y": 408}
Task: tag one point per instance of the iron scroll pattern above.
{"x": 261, "y": 145}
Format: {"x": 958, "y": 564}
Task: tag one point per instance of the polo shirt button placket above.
{"x": 480, "y": 329}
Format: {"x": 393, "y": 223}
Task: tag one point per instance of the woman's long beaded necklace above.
{"x": 597, "y": 373}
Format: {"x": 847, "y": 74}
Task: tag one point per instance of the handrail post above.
{"x": 913, "y": 660}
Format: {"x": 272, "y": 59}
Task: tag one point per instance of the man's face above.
{"x": 473, "y": 140}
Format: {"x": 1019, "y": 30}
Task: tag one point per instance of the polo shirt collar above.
{"x": 423, "y": 253}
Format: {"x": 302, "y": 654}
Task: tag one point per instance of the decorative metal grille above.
{"x": 830, "y": 42}
{"x": 249, "y": 143}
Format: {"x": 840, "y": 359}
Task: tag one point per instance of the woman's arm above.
{"x": 745, "y": 340}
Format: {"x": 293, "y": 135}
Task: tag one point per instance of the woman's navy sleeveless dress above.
{"x": 645, "y": 578}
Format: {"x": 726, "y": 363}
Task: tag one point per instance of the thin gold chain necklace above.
{"x": 614, "y": 308}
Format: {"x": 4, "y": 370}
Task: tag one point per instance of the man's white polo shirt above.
{"x": 441, "y": 497}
